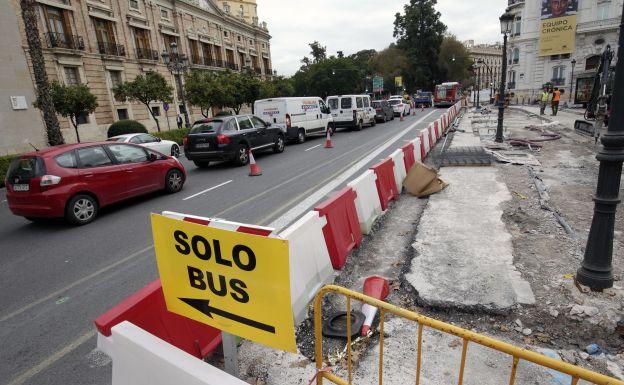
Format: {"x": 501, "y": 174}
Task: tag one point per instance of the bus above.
{"x": 447, "y": 94}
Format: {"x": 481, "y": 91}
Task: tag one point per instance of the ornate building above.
{"x": 104, "y": 42}
{"x": 492, "y": 57}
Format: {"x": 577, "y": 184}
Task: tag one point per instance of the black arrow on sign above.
{"x": 203, "y": 305}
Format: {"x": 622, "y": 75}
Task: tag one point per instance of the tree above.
{"x": 363, "y": 58}
{"x": 319, "y": 53}
{"x": 44, "y": 99}
{"x": 277, "y": 87}
{"x": 390, "y": 63}
{"x": 247, "y": 88}
{"x": 199, "y": 88}
{"x": 419, "y": 33}
{"x": 73, "y": 101}
{"x": 149, "y": 88}
{"x": 454, "y": 60}
{"x": 333, "y": 76}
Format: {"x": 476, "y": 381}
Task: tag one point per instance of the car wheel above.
{"x": 175, "y": 151}
{"x": 279, "y": 145}
{"x": 385, "y": 118}
{"x": 358, "y": 127}
{"x": 201, "y": 163}
{"x": 373, "y": 122}
{"x": 301, "y": 137}
{"x": 174, "y": 180}
{"x": 81, "y": 209}
{"x": 242, "y": 155}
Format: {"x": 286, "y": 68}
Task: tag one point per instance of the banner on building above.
{"x": 558, "y": 27}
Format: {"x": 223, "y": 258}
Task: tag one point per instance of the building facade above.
{"x": 491, "y": 55}
{"x": 102, "y": 43}
{"x": 598, "y": 23}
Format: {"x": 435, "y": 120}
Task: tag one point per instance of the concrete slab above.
{"x": 464, "y": 256}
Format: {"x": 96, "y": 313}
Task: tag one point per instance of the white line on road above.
{"x": 207, "y": 190}
{"x": 313, "y": 147}
{"x": 301, "y": 208}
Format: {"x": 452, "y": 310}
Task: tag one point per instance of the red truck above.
{"x": 447, "y": 94}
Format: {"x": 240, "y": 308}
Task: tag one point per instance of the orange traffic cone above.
{"x": 414, "y": 111}
{"x": 376, "y": 287}
{"x": 254, "y": 169}
{"x": 328, "y": 142}
{"x": 402, "y": 113}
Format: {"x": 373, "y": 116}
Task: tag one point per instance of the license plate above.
{"x": 202, "y": 145}
{"x": 21, "y": 187}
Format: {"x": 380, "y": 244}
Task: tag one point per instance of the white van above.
{"x": 352, "y": 111}
{"x": 299, "y": 117}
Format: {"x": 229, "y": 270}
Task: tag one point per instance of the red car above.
{"x": 75, "y": 180}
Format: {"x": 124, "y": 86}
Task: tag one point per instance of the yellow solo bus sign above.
{"x": 236, "y": 282}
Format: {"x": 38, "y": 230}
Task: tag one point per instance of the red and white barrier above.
{"x": 367, "y": 203}
{"x": 399, "y": 168}
{"x": 139, "y": 358}
{"x": 417, "y": 152}
{"x": 425, "y": 139}
{"x": 221, "y": 224}
{"x": 310, "y": 265}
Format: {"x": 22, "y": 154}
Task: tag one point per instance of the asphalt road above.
{"x": 56, "y": 279}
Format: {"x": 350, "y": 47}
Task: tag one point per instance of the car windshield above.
{"x": 25, "y": 168}
{"x": 333, "y": 104}
{"x": 115, "y": 139}
{"x": 394, "y": 102}
{"x": 376, "y": 104}
{"x": 204, "y": 127}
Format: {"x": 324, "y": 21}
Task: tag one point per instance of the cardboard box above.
{"x": 422, "y": 181}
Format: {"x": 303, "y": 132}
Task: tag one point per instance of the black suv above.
{"x": 230, "y": 138}
{"x": 383, "y": 110}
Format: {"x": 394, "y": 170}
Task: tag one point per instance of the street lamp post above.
{"x": 572, "y": 80}
{"x": 478, "y": 84}
{"x": 178, "y": 65}
{"x": 596, "y": 270}
{"x": 506, "y": 21}
{"x": 491, "y": 75}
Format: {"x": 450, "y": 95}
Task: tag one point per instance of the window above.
{"x": 592, "y": 62}
{"x": 238, "y": 38}
{"x": 333, "y": 103}
{"x": 146, "y": 138}
{"x": 263, "y": 45}
{"x": 517, "y": 26}
{"x": 558, "y": 75}
{"x": 225, "y": 33}
{"x": 164, "y": 14}
{"x": 366, "y": 102}
{"x": 359, "y": 102}
{"x": 128, "y": 154}
{"x": 345, "y": 103}
{"x": 168, "y": 40}
{"x": 72, "y": 77}
{"x": 512, "y": 79}
{"x": 115, "y": 78}
{"x": 82, "y": 119}
{"x": 515, "y": 56}
{"x": 230, "y": 126}
{"x": 257, "y": 122}
{"x": 602, "y": 12}
{"x": 135, "y": 140}
{"x": 122, "y": 114}
{"x": 156, "y": 110}
{"x": 134, "y": 4}
{"x": 104, "y": 35}
{"x": 67, "y": 160}
{"x": 560, "y": 57}
{"x": 93, "y": 157}
{"x": 250, "y": 42}
{"x": 244, "y": 123}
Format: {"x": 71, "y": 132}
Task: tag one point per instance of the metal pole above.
{"x": 596, "y": 270}
{"x": 501, "y": 97}
{"x": 186, "y": 116}
{"x": 478, "y": 86}
{"x": 571, "y": 82}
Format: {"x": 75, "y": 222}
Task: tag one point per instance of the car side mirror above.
{"x": 153, "y": 157}
{"x": 268, "y": 124}
{"x": 158, "y": 139}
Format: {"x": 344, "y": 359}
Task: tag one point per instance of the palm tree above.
{"x": 44, "y": 99}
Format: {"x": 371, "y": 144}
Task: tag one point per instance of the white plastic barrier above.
{"x": 221, "y": 224}
{"x": 417, "y": 153}
{"x": 140, "y": 358}
{"x": 399, "y": 168}
{"x": 425, "y": 139}
{"x": 310, "y": 265}
{"x": 367, "y": 202}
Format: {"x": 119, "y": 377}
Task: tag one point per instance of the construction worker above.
{"x": 544, "y": 101}
{"x": 555, "y": 101}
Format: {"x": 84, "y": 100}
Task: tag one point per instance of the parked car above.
{"x": 299, "y": 117}
{"x": 352, "y": 111}
{"x": 76, "y": 180}
{"x": 229, "y": 138}
{"x": 400, "y": 106}
{"x": 383, "y": 110}
{"x": 150, "y": 141}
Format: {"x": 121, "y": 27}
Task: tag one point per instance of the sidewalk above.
{"x": 566, "y": 117}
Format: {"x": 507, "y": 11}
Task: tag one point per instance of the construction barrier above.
{"x": 342, "y": 231}
{"x": 417, "y": 149}
{"x": 423, "y": 150}
{"x": 221, "y": 224}
{"x": 437, "y": 127}
{"x": 367, "y": 202}
{"x": 310, "y": 265}
{"x": 139, "y": 358}
{"x": 386, "y": 184}
{"x": 432, "y": 138}
{"x": 468, "y": 337}
{"x": 408, "y": 156}
{"x": 425, "y": 132}
{"x": 147, "y": 309}
{"x": 399, "y": 168}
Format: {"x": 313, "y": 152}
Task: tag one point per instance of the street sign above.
{"x": 166, "y": 106}
{"x": 378, "y": 84}
{"x": 236, "y": 282}
{"x": 398, "y": 81}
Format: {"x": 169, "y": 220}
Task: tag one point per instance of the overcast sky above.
{"x": 353, "y": 25}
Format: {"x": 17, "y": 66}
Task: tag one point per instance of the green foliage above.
{"x": 175, "y": 135}
{"x": 333, "y": 76}
{"x": 122, "y": 127}
{"x": 277, "y": 87}
{"x": 223, "y": 113}
{"x": 199, "y": 88}
{"x": 419, "y": 33}
{"x": 5, "y": 161}
{"x": 390, "y": 63}
{"x": 149, "y": 88}
{"x": 245, "y": 89}
{"x": 72, "y": 101}
{"x": 454, "y": 61}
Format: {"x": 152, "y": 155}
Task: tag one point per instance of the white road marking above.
{"x": 292, "y": 214}
{"x": 313, "y": 147}
{"x": 207, "y": 190}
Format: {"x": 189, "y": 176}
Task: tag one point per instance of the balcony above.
{"x": 232, "y": 66}
{"x": 62, "y": 40}
{"x": 258, "y": 70}
{"x": 196, "y": 59}
{"x": 111, "y": 49}
{"x": 146, "y": 54}
{"x": 558, "y": 81}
